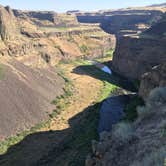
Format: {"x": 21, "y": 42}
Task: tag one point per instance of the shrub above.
{"x": 131, "y": 108}
{"x": 122, "y": 132}
{"x": 157, "y": 97}
{"x": 157, "y": 158}
{"x": 84, "y": 49}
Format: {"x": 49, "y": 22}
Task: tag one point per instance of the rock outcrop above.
{"x": 47, "y": 18}
{"x": 8, "y": 24}
{"x": 121, "y": 22}
{"x": 135, "y": 56}
{"x": 40, "y": 15}
{"x": 155, "y": 78}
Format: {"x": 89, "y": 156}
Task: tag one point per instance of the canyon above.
{"x": 51, "y": 92}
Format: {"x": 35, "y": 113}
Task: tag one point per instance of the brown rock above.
{"x": 155, "y": 78}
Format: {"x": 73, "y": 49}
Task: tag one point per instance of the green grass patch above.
{"x": 2, "y": 71}
{"x": 109, "y": 53}
{"x": 84, "y": 49}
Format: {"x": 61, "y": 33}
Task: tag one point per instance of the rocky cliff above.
{"x": 120, "y": 22}
{"x": 8, "y": 24}
{"x": 155, "y": 78}
{"x": 136, "y": 55}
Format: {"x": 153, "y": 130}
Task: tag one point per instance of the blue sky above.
{"x": 86, "y": 5}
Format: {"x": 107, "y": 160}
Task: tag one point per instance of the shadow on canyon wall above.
{"x": 69, "y": 146}
{"x": 114, "y": 79}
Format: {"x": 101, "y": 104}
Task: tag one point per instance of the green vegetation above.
{"x": 131, "y": 108}
{"x": 156, "y": 158}
{"x": 84, "y": 49}
{"x": 61, "y": 103}
{"x": 123, "y": 132}
{"x": 2, "y": 71}
{"x": 136, "y": 84}
{"x": 80, "y": 143}
{"x": 109, "y": 53}
{"x": 156, "y": 98}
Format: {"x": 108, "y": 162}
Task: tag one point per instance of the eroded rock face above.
{"x": 159, "y": 29}
{"x": 121, "y": 22}
{"x": 155, "y": 78}
{"x": 41, "y": 15}
{"x": 135, "y": 56}
{"x": 8, "y": 27}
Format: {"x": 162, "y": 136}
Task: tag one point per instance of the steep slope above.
{"x": 8, "y": 28}
{"x": 142, "y": 143}
{"x": 136, "y": 55}
{"x": 26, "y": 95}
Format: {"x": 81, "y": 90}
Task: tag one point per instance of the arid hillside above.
{"x": 31, "y": 43}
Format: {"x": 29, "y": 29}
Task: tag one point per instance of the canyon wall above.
{"x": 135, "y": 56}
{"x": 155, "y": 78}
{"x": 122, "y": 21}
{"x": 47, "y": 18}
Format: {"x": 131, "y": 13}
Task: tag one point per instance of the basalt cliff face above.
{"x": 31, "y": 43}
{"x": 136, "y": 55}
{"x": 124, "y": 21}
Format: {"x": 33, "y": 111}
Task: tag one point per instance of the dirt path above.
{"x": 35, "y": 146}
